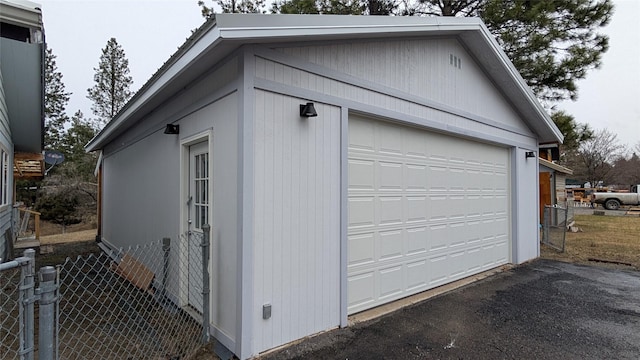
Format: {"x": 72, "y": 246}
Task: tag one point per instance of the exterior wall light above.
{"x": 172, "y": 129}
{"x": 307, "y": 110}
{"x": 530, "y": 154}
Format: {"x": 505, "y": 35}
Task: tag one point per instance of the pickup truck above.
{"x": 613, "y": 201}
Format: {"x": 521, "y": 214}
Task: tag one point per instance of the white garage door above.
{"x": 425, "y": 209}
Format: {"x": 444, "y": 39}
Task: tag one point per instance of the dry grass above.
{"x": 607, "y": 238}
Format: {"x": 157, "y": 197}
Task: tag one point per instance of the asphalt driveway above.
{"x": 542, "y": 310}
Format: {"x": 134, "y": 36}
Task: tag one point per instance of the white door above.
{"x": 198, "y": 215}
{"x": 425, "y": 209}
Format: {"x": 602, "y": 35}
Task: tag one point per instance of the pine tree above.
{"x": 112, "y": 83}
{"x": 55, "y": 103}
{"x": 233, "y": 6}
{"x": 78, "y": 163}
{"x": 553, "y": 43}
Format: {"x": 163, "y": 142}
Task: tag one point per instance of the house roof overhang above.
{"x": 224, "y": 33}
{"x": 555, "y": 166}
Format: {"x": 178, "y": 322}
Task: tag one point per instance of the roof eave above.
{"x": 233, "y": 28}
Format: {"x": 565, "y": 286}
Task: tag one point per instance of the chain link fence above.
{"x": 16, "y": 307}
{"x": 554, "y": 226}
{"x": 145, "y": 302}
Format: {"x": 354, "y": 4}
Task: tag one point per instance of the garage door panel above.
{"x": 424, "y": 209}
{"x": 391, "y": 281}
{"x": 361, "y": 212}
{"x": 391, "y": 244}
{"x": 416, "y": 240}
{"x": 361, "y": 249}
{"x": 362, "y": 290}
{"x": 390, "y": 210}
{"x": 361, "y": 175}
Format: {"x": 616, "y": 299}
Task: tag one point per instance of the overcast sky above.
{"x": 151, "y": 30}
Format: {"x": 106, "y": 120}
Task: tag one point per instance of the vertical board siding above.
{"x": 7, "y": 144}
{"x": 418, "y": 67}
{"x": 297, "y": 219}
{"x": 142, "y": 198}
{"x": 527, "y": 216}
{"x": 271, "y": 70}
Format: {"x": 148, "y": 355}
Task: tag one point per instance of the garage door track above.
{"x": 542, "y": 310}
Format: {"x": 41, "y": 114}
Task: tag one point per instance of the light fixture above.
{"x": 307, "y": 110}
{"x": 530, "y": 154}
{"x": 172, "y": 129}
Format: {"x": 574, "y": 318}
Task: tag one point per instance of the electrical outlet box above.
{"x": 266, "y": 311}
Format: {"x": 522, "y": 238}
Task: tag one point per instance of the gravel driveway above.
{"x": 541, "y": 310}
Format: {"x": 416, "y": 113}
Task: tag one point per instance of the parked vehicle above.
{"x": 613, "y": 201}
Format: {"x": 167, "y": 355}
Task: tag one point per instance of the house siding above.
{"x": 297, "y": 220}
{"x": 291, "y": 74}
{"x": 422, "y": 68}
{"x": 142, "y": 176}
{"x": 7, "y": 145}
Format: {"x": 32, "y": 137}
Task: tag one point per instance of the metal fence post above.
{"x": 205, "y": 282}
{"x": 47, "y": 292}
{"x": 166, "y": 247}
{"x": 27, "y": 299}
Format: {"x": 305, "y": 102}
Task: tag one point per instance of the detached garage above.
{"x": 343, "y": 162}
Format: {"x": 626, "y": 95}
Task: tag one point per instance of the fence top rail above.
{"x": 17, "y": 262}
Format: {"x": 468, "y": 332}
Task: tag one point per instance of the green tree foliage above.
{"x": 55, "y": 103}
{"x": 233, "y": 6}
{"x": 553, "y": 43}
{"x": 59, "y": 208}
{"x": 79, "y": 164}
{"x": 574, "y": 133}
{"x": 111, "y": 90}
{"x": 335, "y": 7}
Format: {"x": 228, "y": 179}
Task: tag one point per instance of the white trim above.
{"x": 245, "y": 311}
{"x": 206, "y": 135}
{"x": 98, "y": 164}
{"x": 344, "y": 214}
{"x": 390, "y": 115}
{"x": 296, "y": 63}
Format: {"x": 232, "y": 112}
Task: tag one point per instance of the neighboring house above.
{"x": 21, "y": 105}
{"x": 417, "y": 170}
{"x": 553, "y": 184}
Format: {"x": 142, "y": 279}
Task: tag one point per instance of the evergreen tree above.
{"x": 574, "y": 133}
{"x": 233, "y": 6}
{"x": 55, "y": 103}
{"x": 79, "y": 165}
{"x": 552, "y": 43}
{"x": 112, "y": 83}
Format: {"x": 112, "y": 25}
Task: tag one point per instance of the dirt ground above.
{"x": 611, "y": 241}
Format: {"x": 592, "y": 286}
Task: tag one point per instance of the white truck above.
{"x": 613, "y": 200}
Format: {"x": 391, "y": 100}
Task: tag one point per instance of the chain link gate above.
{"x": 554, "y": 226}
{"x": 126, "y": 304}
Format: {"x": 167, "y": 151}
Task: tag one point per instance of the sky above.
{"x": 150, "y": 31}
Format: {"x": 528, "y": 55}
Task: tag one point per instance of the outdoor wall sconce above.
{"x": 307, "y": 110}
{"x": 172, "y": 129}
{"x": 530, "y": 154}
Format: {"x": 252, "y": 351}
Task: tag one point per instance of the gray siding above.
{"x": 421, "y": 68}
{"x": 143, "y": 176}
{"x": 296, "y": 220}
{"x": 289, "y": 75}
{"x": 21, "y": 64}
{"x": 7, "y": 145}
